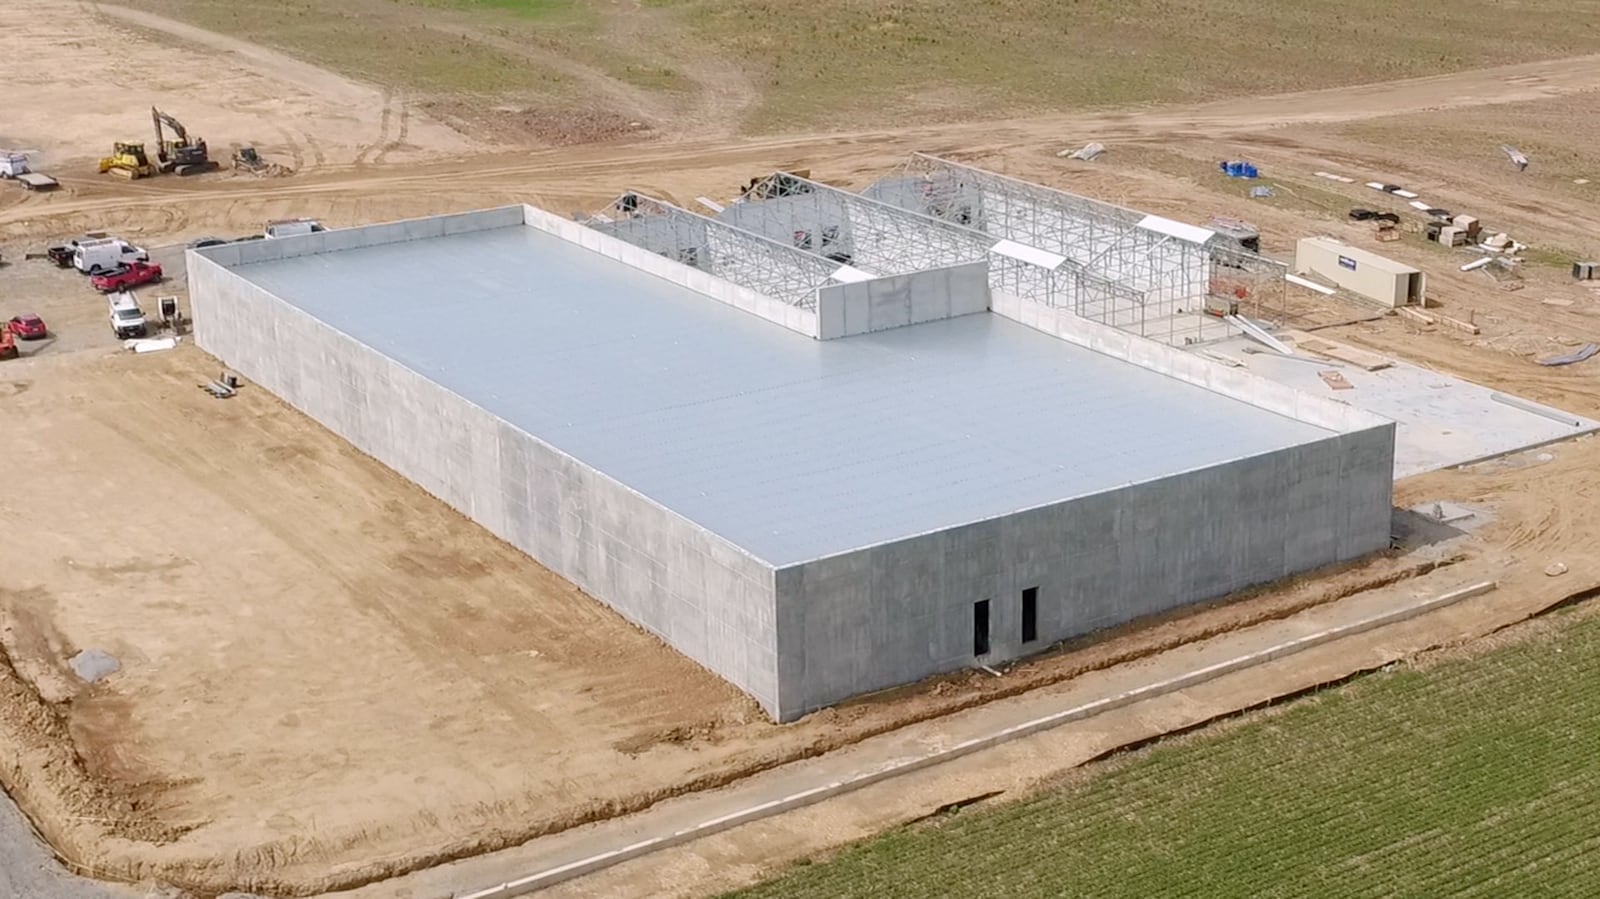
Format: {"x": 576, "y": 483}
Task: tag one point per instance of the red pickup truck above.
{"x": 125, "y": 276}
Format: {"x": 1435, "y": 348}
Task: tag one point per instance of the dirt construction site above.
{"x": 327, "y": 680}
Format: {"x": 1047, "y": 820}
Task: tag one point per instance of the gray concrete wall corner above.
{"x": 1368, "y": 490}
{"x": 897, "y": 613}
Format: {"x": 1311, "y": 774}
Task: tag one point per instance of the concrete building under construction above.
{"x": 822, "y": 464}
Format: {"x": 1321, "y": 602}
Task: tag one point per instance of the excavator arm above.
{"x": 159, "y": 118}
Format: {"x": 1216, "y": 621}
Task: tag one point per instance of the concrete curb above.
{"x": 552, "y": 876}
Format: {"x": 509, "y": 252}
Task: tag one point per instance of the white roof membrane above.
{"x": 790, "y": 447}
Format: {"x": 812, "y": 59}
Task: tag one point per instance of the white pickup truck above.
{"x": 292, "y": 228}
{"x": 127, "y": 319}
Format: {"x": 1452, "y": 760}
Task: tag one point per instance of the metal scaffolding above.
{"x": 875, "y": 237}
{"x": 1139, "y": 272}
{"x": 788, "y": 235}
{"x": 774, "y": 269}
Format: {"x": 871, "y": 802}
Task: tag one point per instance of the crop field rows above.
{"x": 1475, "y": 778}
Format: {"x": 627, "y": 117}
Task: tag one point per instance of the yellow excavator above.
{"x": 127, "y": 160}
{"x": 184, "y": 154}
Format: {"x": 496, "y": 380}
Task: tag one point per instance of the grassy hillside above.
{"x": 825, "y": 55}
{"x": 1476, "y": 778}
{"x": 828, "y": 62}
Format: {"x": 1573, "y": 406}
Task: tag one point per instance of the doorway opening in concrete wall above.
{"x": 1030, "y": 614}
{"x": 980, "y": 628}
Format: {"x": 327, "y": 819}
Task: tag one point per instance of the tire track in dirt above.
{"x": 318, "y": 158}
{"x": 383, "y": 129}
{"x": 724, "y": 93}
{"x": 293, "y": 147}
{"x": 400, "y": 136}
{"x": 598, "y": 88}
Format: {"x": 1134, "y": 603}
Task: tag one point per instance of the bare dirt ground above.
{"x": 195, "y": 541}
{"x": 328, "y": 677}
{"x": 83, "y": 77}
{"x": 331, "y": 678}
{"x": 567, "y": 179}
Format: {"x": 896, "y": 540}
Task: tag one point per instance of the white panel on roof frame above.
{"x": 1180, "y": 230}
{"x": 1031, "y": 255}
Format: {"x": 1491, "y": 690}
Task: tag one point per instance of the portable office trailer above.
{"x": 1360, "y": 272}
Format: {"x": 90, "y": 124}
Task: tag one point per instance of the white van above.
{"x": 292, "y": 228}
{"x": 95, "y": 256}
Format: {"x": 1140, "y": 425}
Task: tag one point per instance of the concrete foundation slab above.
{"x": 1443, "y": 421}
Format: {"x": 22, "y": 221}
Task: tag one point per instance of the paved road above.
{"x": 29, "y": 871}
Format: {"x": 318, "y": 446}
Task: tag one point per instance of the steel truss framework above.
{"x": 1125, "y": 274}
{"x": 774, "y": 269}
{"x": 876, "y": 237}
{"x": 901, "y": 240}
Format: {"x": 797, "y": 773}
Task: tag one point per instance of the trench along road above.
{"x": 555, "y": 178}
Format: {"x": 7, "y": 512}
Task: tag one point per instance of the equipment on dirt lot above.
{"x": 781, "y": 184}
{"x": 37, "y": 181}
{"x": 13, "y": 164}
{"x": 170, "y": 316}
{"x": 292, "y": 228}
{"x": 8, "y": 342}
{"x": 1240, "y": 233}
{"x": 246, "y": 159}
{"x": 224, "y": 387}
{"x": 127, "y": 160}
{"x": 186, "y": 155}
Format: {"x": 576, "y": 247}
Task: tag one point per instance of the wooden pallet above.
{"x": 1335, "y": 380}
{"x": 1333, "y": 349}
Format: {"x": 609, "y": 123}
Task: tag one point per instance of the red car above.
{"x": 125, "y": 276}
{"x": 28, "y": 327}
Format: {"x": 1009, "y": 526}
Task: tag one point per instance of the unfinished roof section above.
{"x": 1163, "y": 269}
{"x": 889, "y": 239}
{"x": 873, "y": 236}
{"x": 775, "y": 269}
{"x": 834, "y": 299}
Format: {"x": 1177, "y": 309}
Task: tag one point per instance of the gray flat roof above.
{"x": 789, "y": 447}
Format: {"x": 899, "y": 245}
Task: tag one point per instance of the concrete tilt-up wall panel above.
{"x": 706, "y": 597}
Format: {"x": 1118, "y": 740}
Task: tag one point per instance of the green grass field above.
{"x": 414, "y": 45}
{"x": 819, "y": 57}
{"x": 1478, "y": 777}
{"x": 826, "y": 62}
